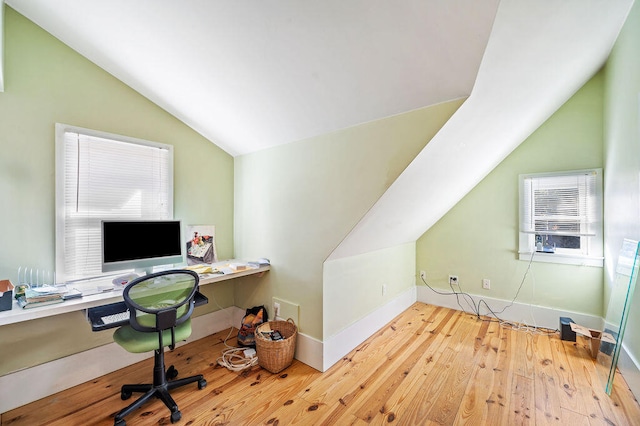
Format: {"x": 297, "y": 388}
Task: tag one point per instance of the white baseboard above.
{"x": 55, "y": 376}
{"x": 532, "y": 315}
{"x": 337, "y": 346}
{"x": 309, "y": 351}
{"x": 19, "y": 387}
{"x": 630, "y": 369}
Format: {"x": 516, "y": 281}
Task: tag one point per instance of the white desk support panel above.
{"x": 18, "y": 314}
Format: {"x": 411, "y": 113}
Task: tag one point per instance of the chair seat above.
{"x": 138, "y": 342}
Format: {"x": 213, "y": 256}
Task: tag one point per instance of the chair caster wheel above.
{"x": 120, "y": 422}
{"x": 176, "y": 416}
{"x": 202, "y": 383}
{"x": 124, "y": 395}
{"x": 172, "y": 373}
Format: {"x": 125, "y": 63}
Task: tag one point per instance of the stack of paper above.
{"x": 41, "y": 296}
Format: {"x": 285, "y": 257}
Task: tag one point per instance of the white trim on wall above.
{"x": 54, "y": 376}
{"x": 64, "y": 373}
{"x": 630, "y": 370}
{"x": 532, "y": 315}
{"x": 349, "y": 338}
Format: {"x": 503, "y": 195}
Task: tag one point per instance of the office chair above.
{"x": 160, "y": 307}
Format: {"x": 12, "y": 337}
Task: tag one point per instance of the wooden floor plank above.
{"x": 429, "y": 366}
{"x": 522, "y": 401}
{"x": 269, "y": 392}
{"x": 485, "y": 401}
{"x": 547, "y": 383}
{"x": 574, "y": 419}
{"x": 354, "y": 369}
{"x": 412, "y": 404}
{"x": 347, "y": 384}
{"x": 523, "y": 357}
{"x": 449, "y": 401}
{"x": 392, "y": 402}
{"x": 599, "y": 407}
{"x": 374, "y": 400}
{"x": 570, "y": 397}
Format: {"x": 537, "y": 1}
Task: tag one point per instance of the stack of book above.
{"x": 259, "y": 263}
{"x": 40, "y": 296}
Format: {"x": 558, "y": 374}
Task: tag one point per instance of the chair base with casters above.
{"x": 160, "y": 307}
{"x": 162, "y": 383}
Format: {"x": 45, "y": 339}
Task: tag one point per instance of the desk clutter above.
{"x": 41, "y": 296}
{"x": 270, "y": 344}
{"x": 224, "y": 268}
{"x": 37, "y": 288}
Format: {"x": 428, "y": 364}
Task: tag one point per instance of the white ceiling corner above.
{"x": 251, "y": 75}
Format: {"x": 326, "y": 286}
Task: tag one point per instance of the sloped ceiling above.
{"x": 253, "y": 74}
{"x": 539, "y": 54}
{"x": 249, "y": 75}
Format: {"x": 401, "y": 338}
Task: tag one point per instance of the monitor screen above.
{"x": 140, "y": 245}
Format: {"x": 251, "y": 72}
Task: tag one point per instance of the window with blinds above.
{"x": 104, "y": 176}
{"x": 561, "y": 214}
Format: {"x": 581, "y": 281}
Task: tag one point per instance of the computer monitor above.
{"x": 140, "y": 244}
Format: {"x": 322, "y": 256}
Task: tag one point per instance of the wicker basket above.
{"x": 276, "y": 355}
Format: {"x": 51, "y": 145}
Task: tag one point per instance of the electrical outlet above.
{"x": 286, "y": 309}
{"x": 423, "y": 275}
{"x": 276, "y": 309}
{"x": 486, "y": 284}
{"x": 453, "y": 280}
{"x": 384, "y": 289}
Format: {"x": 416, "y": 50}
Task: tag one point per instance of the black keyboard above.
{"x": 96, "y": 314}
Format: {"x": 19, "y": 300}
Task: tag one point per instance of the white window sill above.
{"x": 566, "y": 259}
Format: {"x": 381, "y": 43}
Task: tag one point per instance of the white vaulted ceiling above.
{"x": 253, "y": 74}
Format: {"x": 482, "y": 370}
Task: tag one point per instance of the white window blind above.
{"x": 560, "y": 205}
{"x": 102, "y": 176}
{"x": 561, "y": 213}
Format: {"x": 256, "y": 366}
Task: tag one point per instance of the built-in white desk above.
{"x": 18, "y": 314}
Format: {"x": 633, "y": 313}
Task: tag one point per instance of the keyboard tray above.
{"x": 96, "y": 313}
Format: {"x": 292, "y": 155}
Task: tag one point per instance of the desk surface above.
{"x": 18, "y": 314}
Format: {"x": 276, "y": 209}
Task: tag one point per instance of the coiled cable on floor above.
{"x": 235, "y": 359}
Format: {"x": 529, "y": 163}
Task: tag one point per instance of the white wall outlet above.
{"x": 423, "y": 275}
{"x": 285, "y": 309}
{"x": 384, "y": 289}
{"x": 453, "y": 280}
{"x": 486, "y": 283}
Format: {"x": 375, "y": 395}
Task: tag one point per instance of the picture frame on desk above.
{"x": 201, "y": 244}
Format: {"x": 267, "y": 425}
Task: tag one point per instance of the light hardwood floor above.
{"x": 429, "y": 366}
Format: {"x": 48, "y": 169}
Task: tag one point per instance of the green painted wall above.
{"x": 354, "y": 285}
{"x": 622, "y": 162}
{"x": 478, "y": 238}
{"x": 296, "y": 202}
{"x": 46, "y": 82}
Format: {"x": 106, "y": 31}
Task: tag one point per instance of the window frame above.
{"x": 594, "y": 242}
{"x": 60, "y": 170}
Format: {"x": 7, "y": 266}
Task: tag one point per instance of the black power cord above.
{"x": 476, "y": 307}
